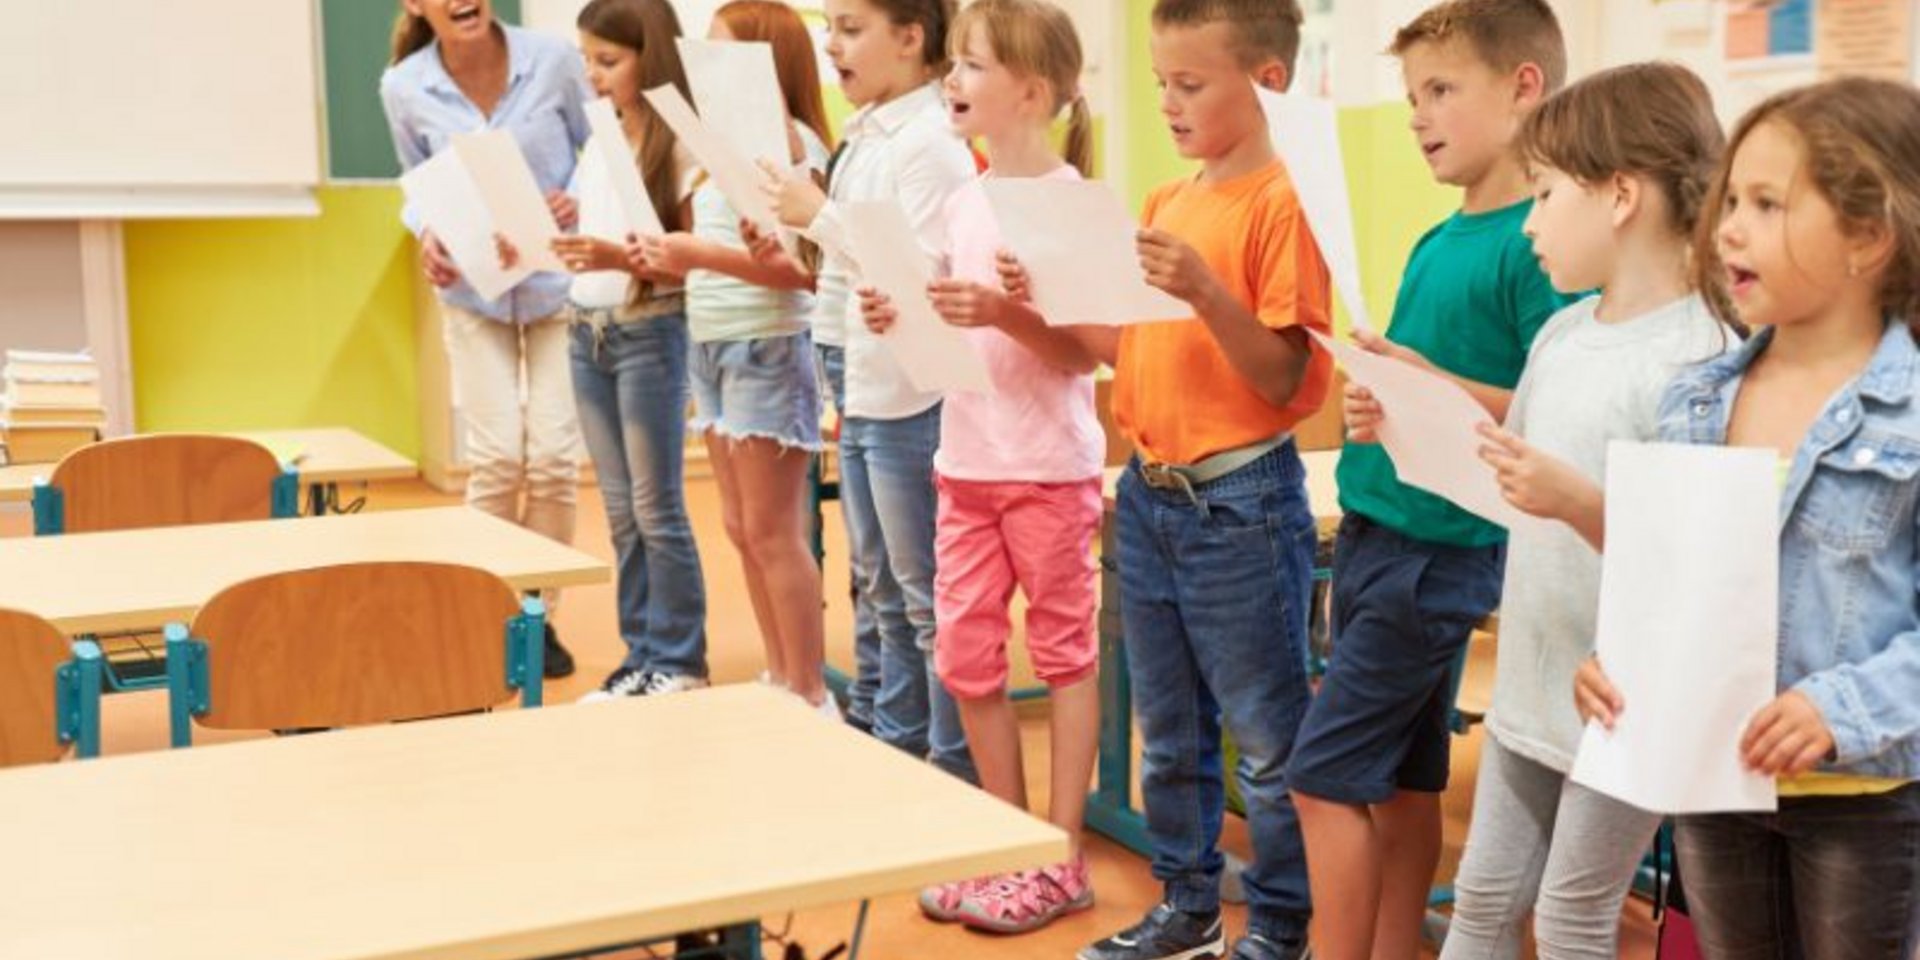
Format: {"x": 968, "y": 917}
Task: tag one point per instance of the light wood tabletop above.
{"x": 144, "y": 579}
{"x": 326, "y": 455}
{"x": 528, "y": 833}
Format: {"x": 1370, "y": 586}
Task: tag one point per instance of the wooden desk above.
{"x": 328, "y": 456}
{"x": 521, "y": 834}
{"x": 143, "y": 579}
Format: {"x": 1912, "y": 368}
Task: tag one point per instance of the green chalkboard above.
{"x": 356, "y": 36}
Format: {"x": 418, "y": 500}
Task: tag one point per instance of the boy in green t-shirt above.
{"x": 1413, "y": 574}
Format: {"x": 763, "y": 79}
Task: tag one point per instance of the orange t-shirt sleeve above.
{"x": 1294, "y": 289}
{"x": 1290, "y": 277}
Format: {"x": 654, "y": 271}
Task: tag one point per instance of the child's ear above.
{"x": 1872, "y": 245}
{"x": 913, "y": 41}
{"x": 1529, "y": 86}
{"x": 1273, "y": 75}
{"x": 1629, "y": 194}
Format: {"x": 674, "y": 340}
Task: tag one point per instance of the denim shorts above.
{"x": 1403, "y": 611}
{"x": 766, "y": 388}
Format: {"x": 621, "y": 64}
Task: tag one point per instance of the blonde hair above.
{"x": 1034, "y": 38}
{"x": 1503, "y": 34}
{"x": 411, "y": 32}
{"x": 1858, "y": 137}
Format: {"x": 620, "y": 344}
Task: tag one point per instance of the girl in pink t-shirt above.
{"x": 1019, "y": 466}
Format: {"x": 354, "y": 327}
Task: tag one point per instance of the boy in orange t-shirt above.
{"x": 1215, "y": 537}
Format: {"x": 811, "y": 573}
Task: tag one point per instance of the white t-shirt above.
{"x": 601, "y": 216}
{"x": 902, "y": 150}
{"x": 722, "y": 307}
{"x": 1586, "y": 383}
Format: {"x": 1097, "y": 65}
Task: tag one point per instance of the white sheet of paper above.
{"x": 738, "y": 96}
{"x": 1076, "y": 239}
{"x": 609, "y": 142}
{"x": 736, "y": 176}
{"x": 1429, "y": 431}
{"x": 512, "y": 195}
{"x": 934, "y": 354}
{"x": 451, "y": 206}
{"x": 1688, "y": 628}
{"x": 1306, "y": 133}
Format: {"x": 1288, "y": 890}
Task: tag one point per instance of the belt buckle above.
{"x": 1162, "y": 476}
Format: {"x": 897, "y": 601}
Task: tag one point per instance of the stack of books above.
{"x": 50, "y": 406}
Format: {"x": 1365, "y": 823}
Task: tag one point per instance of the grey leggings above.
{"x": 1542, "y": 843}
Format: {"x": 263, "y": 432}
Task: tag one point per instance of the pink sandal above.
{"x": 1028, "y": 900}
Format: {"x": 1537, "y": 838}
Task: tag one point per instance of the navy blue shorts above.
{"x": 1403, "y": 610}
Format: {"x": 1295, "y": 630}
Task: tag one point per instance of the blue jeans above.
{"x": 1214, "y": 593}
{"x": 631, "y": 387}
{"x": 865, "y": 683}
{"x": 1825, "y": 878}
{"x": 887, "y": 492}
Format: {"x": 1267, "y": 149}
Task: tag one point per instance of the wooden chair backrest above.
{"x": 31, "y": 650}
{"x": 355, "y": 644}
{"x": 165, "y": 480}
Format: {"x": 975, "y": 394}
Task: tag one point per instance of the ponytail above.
{"x": 1078, "y": 149}
{"x": 411, "y": 32}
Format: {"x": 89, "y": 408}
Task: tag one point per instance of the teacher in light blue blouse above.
{"x": 455, "y": 70}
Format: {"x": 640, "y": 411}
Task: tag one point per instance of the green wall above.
{"x": 238, "y": 324}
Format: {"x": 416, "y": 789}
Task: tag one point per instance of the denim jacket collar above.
{"x": 1887, "y": 380}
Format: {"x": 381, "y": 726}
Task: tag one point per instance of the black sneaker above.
{"x": 1164, "y": 934}
{"x": 622, "y": 682}
{"x": 1259, "y": 946}
{"x": 559, "y": 662}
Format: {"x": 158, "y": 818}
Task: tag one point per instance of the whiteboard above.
{"x": 208, "y": 95}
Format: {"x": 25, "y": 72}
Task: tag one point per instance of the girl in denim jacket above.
{"x": 1815, "y": 233}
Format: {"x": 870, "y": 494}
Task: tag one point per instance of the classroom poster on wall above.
{"x": 1871, "y": 38}
{"x": 1769, "y": 47}
{"x": 1764, "y": 33}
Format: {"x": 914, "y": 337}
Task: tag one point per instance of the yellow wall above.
{"x": 277, "y": 323}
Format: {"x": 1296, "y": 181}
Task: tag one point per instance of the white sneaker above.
{"x": 829, "y": 709}
{"x": 660, "y": 684}
{"x": 622, "y": 682}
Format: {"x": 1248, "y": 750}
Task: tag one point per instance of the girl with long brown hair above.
{"x": 629, "y": 352}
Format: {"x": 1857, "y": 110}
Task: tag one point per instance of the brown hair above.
{"x": 1503, "y": 34}
{"x": 1034, "y": 38}
{"x": 648, "y": 27}
{"x": 776, "y": 24}
{"x": 1651, "y": 120}
{"x": 411, "y": 32}
{"x": 933, "y": 17}
{"x": 1262, "y": 29}
{"x": 1858, "y": 136}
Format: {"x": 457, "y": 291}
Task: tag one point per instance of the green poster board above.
{"x": 356, "y": 34}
